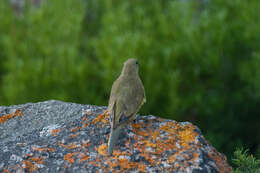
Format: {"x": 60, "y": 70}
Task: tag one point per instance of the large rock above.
{"x": 55, "y": 136}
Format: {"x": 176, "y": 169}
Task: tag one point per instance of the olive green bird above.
{"x": 126, "y": 98}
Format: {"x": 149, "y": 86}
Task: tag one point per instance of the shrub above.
{"x": 245, "y": 163}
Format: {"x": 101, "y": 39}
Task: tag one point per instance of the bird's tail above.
{"x": 114, "y": 134}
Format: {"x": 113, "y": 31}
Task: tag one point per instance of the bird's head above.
{"x": 130, "y": 67}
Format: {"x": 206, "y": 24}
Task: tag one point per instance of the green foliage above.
{"x": 245, "y": 163}
{"x": 38, "y": 51}
{"x": 198, "y": 62}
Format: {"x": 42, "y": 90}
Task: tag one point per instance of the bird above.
{"x": 127, "y": 95}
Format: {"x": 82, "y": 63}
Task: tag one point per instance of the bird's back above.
{"x": 127, "y": 94}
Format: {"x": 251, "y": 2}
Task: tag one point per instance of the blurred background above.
{"x": 199, "y": 59}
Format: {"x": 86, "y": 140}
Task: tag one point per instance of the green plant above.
{"x": 245, "y": 163}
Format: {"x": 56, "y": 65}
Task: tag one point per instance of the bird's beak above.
{"x": 114, "y": 134}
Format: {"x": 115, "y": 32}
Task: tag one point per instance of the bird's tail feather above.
{"x": 114, "y": 134}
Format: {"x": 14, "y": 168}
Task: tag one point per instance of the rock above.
{"x": 55, "y": 136}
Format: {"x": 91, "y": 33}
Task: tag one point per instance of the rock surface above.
{"x": 55, "y": 136}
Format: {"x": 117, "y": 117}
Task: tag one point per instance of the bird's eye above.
{"x": 136, "y": 62}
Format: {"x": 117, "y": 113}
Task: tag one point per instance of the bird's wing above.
{"x": 125, "y": 100}
{"x": 132, "y": 100}
{"x": 114, "y": 106}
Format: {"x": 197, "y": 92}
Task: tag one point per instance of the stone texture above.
{"x": 55, "y": 136}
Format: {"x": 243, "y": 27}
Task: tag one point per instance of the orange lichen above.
{"x": 98, "y": 118}
{"x": 172, "y": 158}
{"x": 38, "y": 149}
{"x": 136, "y": 125}
{"x": 111, "y": 164}
{"x": 37, "y": 160}
{"x": 154, "y": 134}
{"x": 55, "y": 132}
{"x": 74, "y": 135}
{"x": 51, "y": 149}
{"x": 6, "y": 171}
{"x": 104, "y": 121}
{"x": 184, "y": 134}
{"x": 68, "y": 157}
{"x": 85, "y": 125}
{"x": 84, "y": 118}
{"x": 125, "y": 164}
{"x": 4, "y": 118}
{"x": 187, "y": 135}
{"x": 83, "y": 157}
{"x": 102, "y": 149}
{"x": 149, "y": 144}
{"x": 117, "y": 153}
{"x": 170, "y": 143}
{"x": 168, "y": 128}
{"x": 121, "y": 161}
{"x": 221, "y": 161}
{"x": 86, "y": 144}
{"x": 141, "y": 167}
{"x": 30, "y": 164}
{"x": 26, "y": 164}
{"x": 137, "y": 129}
{"x": 148, "y": 157}
{"x": 195, "y": 156}
{"x": 69, "y": 146}
{"x": 142, "y": 133}
{"x": 101, "y": 118}
{"x": 160, "y": 147}
{"x": 43, "y": 149}
{"x": 73, "y": 129}
{"x": 106, "y": 112}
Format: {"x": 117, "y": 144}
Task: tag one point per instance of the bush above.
{"x": 41, "y": 52}
{"x": 245, "y": 163}
{"x": 199, "y": 62}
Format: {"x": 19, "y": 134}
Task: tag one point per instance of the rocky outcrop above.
{"x": 55, "y": 136}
